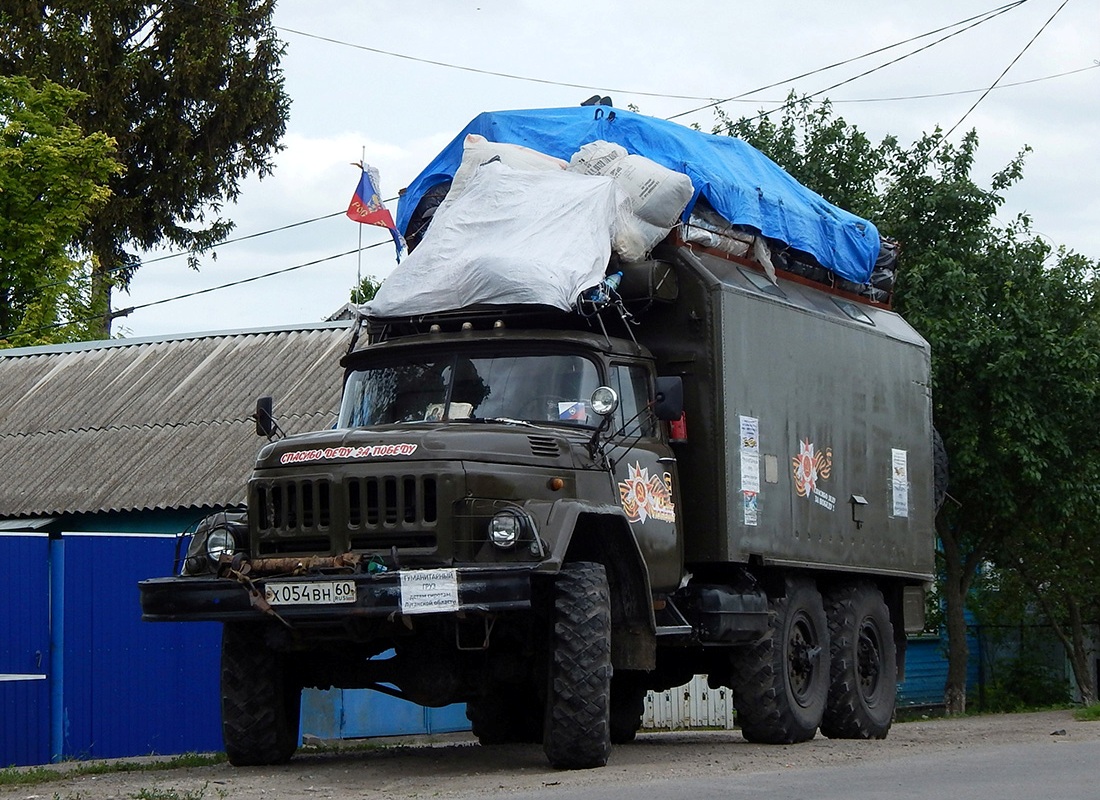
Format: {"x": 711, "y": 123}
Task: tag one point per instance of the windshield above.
{"x": 535, "y": 388}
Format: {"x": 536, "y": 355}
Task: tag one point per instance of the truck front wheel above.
{"x": 261, "y": 703}
{"x": 508, "y": 715}
{"x": 863, "y": 684}
{"x": 576, "y": 733}
{"x": 781, "y": 682}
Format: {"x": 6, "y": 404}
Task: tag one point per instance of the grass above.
{"x": 33, "y": 776}
{"x": 172, "y": 794}
{"x": 1088, "y": 713}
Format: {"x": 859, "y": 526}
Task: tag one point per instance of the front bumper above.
{"x": 198, "y": 599}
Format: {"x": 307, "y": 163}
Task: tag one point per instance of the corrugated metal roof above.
{"x": 154, "y": 424}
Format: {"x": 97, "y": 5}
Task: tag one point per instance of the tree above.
{"x": 1005, "y": 384}
{"x": 1055, "y": 555}
{"x": 192, "y": 94}
{"x": 1010, "y": 334}
{"x": 366, "y": 290}
{"x": 52, "y": 180}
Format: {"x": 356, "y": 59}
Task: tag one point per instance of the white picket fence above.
{"x": 693, "y": 705}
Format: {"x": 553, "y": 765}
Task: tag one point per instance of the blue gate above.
{"x": 132, "y": 687}
{"x": 25, "y": 650}
{"x": 81, "y": 676}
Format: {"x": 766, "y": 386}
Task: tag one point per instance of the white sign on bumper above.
{"x": 428, "y": 591}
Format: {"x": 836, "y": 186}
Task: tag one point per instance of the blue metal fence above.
{"x": 25, "y": 650}
{"x": 132, "y": 688}
{"x": 84, "y": 676}
{"x": 362, "y": 713}
{"x": 926, "y": 672}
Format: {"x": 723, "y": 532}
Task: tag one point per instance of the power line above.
{"x": 166, "y": 257}
{"x": 243, "y": 281}
{"x": 974, "y": 22}
{"x": 243, "y": 238}
{"x": 126, "y": 311}
{"x": 983, "y": 17}
{"x": 713, "y": 102}
{"x": 492, "y": 73}
{"x": 960, "y": 91}
{"x": 1031, "y": 41}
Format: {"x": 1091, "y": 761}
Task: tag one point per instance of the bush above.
{"x": 1026, "y": 682}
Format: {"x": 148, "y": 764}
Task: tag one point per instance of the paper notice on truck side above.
{"x": 750, "y": 468}
{"x": 899, "y": 481}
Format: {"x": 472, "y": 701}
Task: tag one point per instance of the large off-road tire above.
{"x": 510, "y": 715}
{"x": 628, "y": 691}
{"x": 576, "y": 733}
{"x": 781, "y": 682}
{"x": 261, "y": 703}
{"x": 864, "y": 671}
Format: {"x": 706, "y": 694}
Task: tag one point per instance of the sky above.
{"x": 393, "y": 81}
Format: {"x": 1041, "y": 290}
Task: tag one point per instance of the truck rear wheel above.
{"x": 261, "y": 704}
{"x": 781, "y": 682}
{"x": 864, "y": 671}
{"x": 576, "y": 733}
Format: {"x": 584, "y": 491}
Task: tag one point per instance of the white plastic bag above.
{"x": 512, "y": 237}
{"x": 658, "y": 195}
{"x": 477, "y": 150}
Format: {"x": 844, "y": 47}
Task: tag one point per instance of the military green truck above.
{"x": 707, "y": 463}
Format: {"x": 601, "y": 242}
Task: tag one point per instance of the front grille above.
{"x": 289, "y": 505}
{"x": 316, "y": 515}
{"x": 391, "y": 500}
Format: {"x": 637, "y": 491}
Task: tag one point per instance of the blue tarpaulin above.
{"x": 740, "y": 182}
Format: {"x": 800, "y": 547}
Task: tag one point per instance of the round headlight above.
{"x": 220, "y": 541}
{"x": 604, "y": 401}
{"x": 504, "y": 529}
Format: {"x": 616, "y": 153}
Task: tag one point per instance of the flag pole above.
{"x": 359, "y": 249}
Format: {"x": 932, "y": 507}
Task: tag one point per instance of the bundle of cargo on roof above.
{"x": 715, "y": 190}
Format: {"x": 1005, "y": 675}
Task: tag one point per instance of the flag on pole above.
{"x": 367, "y": 207}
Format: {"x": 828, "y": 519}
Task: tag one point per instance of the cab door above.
{"x": 645, "y": 476}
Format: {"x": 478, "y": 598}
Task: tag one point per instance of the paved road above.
{"x": 1055, "y": 771}
{"x": 1044, "y": 756}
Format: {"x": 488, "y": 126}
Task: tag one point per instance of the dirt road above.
{"x": 454, "y": 766}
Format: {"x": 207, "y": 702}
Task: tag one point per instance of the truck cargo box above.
{"x": 821, "y": 410}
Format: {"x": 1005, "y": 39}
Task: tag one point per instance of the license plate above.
{"x": 306, "y": 593}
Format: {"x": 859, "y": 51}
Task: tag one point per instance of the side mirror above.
{"x": 265, "y": 419}
{"x": 669, "y": 402}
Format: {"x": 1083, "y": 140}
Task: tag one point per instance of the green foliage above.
{"x": 191, "y": 92}
{"x": 53, "y": 179}
{"x": 1015, "y": 336}
{"x": 1024, "y": 684}
{"x": 366, "y": 290}
{"x": 1087, "y": 713}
